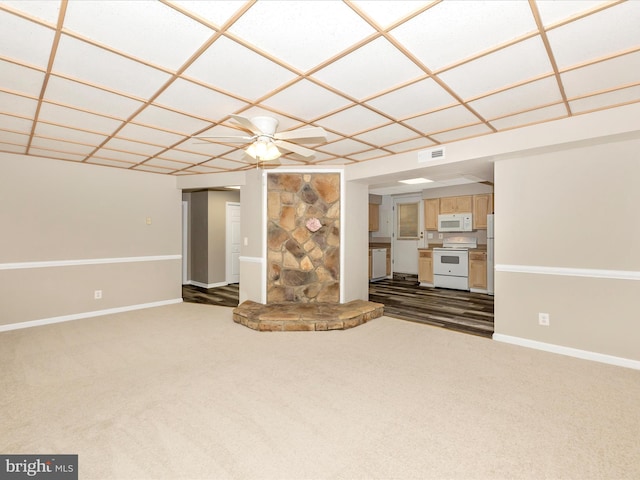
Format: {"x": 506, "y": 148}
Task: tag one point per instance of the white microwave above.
{"x": 455, "y": 222}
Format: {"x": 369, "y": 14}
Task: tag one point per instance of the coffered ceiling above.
{"x": 128, "y": 84}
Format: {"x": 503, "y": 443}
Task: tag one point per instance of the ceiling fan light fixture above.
{"x": 263, "y": 149}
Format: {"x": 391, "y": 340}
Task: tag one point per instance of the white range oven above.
{"x": 451, "y": 263}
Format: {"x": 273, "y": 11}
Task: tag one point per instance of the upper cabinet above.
{"x": 482, "y": 206}
{"x": 431, "y": 212}
{"x": 374, "y": 217}
{"x": 461, "y": 204}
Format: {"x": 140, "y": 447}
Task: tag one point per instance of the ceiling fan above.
{"x": 266, "y": 142}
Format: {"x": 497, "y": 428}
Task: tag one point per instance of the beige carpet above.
{"x": 183, "y": 392}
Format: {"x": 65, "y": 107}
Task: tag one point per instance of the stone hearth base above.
{"x": 287, "y": 317}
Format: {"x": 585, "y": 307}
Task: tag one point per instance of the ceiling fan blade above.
{"x": 292, "y": 147}
{"x": 304, "y": 135}
{"x": 246, "y": 123}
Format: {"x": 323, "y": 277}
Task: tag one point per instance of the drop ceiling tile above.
{"x": 410, "y": 145}
{"x": 447, "y": 119}
{"x": 318, "y": 100}
{"x": 417, "y": 98}
{"x": 182, "y": 156}
{"x": 56, "y": 155}
{"x": 61, "y": 146}
{"x": 17, "y": 105}
{"x": 9, "y": 148}
{"x": 559, "y": 10}
{"x": 161, "y": 162}
{"x": 16, "y": 124}
{"x": 452, "y": 31}
{"x": 315, "y": 31}
{"x": 461, "y": 133}
{"x": 595, "y": 102}
{"x": 596, "y": 36}
{"x": 103, "y": 68}
{"x": 218, "y": 13}
{"x": 345, "y": 147}
{"x": 63, "y": 133}
{"x": 14, "y": 138}
{"x": 320, "y": 157}
{"x": 517, "y": 63}
{"x": 199, "y": 101}
{"x": 174, "y": 122}
{"x": 73, "y": 118}
{"x": 149, "y": 168}
{"x": 147, "y": 30}
{"x": 35, "y": 51}
{"x": 335, "y": 161}
{"x": 234, "y": 68}
{"x": 109, "y": 163}
{"x": 525, "y": 97}
{"x": 133, "y": 147}
{"x": 359, "y": 77}
{"x": 535, "y": 116}
{"x": 201, "y": 169}
{"x": 20, "y": 79}
{"x": 88, "y": 98}
{"x": 140, "y": 133}
{"x": 353, "y": 120}
{"x": 393, "y": 133}
{"x": 615, "y": 73}
{"x": 237, "y": 155}
{"x": 386, "y": 12}
{"x": 208, "y": 149}
{"x": 107, "y": 154}
{"x": 375, "y": 153}
{"x": 47, "y": 10}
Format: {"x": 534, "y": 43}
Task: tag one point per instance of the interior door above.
{"x": 408, "y": 233}
{"x": 233, "y": 242}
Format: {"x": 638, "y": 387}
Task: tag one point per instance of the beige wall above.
{"x": 252, "y": 220}
{"x": 355, "y": 272}
{"x": 566, "y": 244}
{"x": 61, "y": 212}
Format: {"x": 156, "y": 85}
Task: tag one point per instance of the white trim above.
{"x": 78, "y": 316}
{"x": 207, "y": 285}
{"x": 571, "y": 272}
{"x": 86, "y": 261}
{"x": 251, "y": 259}
{"x": 568, "y": 351}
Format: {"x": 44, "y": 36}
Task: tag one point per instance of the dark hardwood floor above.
{"x": 402, "y": 297}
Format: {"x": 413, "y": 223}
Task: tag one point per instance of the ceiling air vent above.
{"x": 430, "y": 155}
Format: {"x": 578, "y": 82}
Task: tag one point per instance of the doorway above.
{"x": 408, "y": 233}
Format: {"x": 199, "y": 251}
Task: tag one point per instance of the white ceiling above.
{"x": 127, "y": 84}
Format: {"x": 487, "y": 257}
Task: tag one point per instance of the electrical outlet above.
{"x": 148, "y": 220}
{"x": 543, "y": 319}
{"x": 430, "y": 236}
{"x": 440, "y": 236}
{"x": 97, "y": 295}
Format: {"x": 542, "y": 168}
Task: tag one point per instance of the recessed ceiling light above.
{"x": 414, "y": 181}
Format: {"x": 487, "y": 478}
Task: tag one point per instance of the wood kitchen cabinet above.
{"x": 374, "y": 217}
{"x": 482, "y": 206}
{"x": 431, "y": 212}
{"x": 478, "y": 270}
{"x": 460, "y": 204}
{"x": 425, "y": 266}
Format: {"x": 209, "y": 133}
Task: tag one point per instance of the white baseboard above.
{"x": 571, "y": 352}
{"x": 78, "y": 316}
{"x": 206, "y": 285}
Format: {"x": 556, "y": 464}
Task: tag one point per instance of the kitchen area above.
{"x": 443, "y": 241}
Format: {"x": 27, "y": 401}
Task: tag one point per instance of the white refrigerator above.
{"x": 490, "y": 260}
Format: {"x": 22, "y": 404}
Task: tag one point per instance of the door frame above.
{"x": 228, "y": 242}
